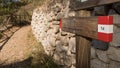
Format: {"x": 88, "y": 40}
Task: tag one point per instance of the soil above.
{"x": 15, "y": 50}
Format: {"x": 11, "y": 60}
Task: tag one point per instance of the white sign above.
{"x": 105, "y": 28}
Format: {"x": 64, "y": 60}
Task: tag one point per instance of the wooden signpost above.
{"x": 100, "y": 28}
{"x": 88, "y": 28}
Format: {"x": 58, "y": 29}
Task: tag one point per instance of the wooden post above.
{"x": 83, "y": 48}
{"x": 87, "y": 28}
{"x": 82, "y": 52}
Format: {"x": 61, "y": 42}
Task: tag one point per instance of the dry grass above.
{"x": 1, "y": 35}
{"x": 40, "y": 59}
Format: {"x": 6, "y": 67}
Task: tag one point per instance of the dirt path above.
{"x": 14, "y": 50}
{"x": 23, "y": 51}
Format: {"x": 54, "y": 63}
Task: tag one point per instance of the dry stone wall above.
{"x": 61, "y": 45}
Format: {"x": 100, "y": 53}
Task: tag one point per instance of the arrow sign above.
{"x": 100, "y": 28}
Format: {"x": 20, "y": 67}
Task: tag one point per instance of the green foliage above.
{"x": 36, "y": 2}
{"x": 10, "y": 7}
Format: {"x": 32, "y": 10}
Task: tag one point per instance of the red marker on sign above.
{"x": 105, "y": 28}
{"x": 60, "y": 24}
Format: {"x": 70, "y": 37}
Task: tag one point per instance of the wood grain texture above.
{"x": 84, "y": 26}
{"x": 83, "y": 48}
{"x": 91, "y": 3}
{"x": 82, "y": 52}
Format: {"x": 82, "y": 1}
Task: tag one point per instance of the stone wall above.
{"x": 61, "y": 45}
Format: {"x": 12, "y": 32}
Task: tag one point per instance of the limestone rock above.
{"x": 116, "y": 37}
{"x": 59, "y": 16}
{"x": 51, "y": 40}
{"x": 102, "y": 55}
{"x": 114, "y": 53}
{"x": 45, "y": 27}
{"x": 56, "y": 29}
{"x": 64, "y": 40}
{"x": 73, "y": 66}
{"x": 56, "y": 57}
{"x": 95, "y": 63}
{"x": 68, "y": 61}
{"x": 55, "y": 22}
{"x": 63, "y": 33}
{"x": 71, "y": 14}
{"x": 61, "y": 49}
{"x": 72, "y": 45}
{"x": 114, "y": 64}
{"x": 73, "y": 59}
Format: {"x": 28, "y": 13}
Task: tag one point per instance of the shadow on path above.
{"x": 23, "y": 64}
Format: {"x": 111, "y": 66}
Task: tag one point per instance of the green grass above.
{"x": 24, "y": 15}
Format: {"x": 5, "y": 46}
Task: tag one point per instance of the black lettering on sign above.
{"x": 102, "y": 28}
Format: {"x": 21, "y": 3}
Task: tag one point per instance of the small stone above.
{"x": 117, "y": 20}
{"x": 73, "y": 59}
{"x": 49, "y": 50}
{"x": 72, "y": 45}
{"x": 114, "y": 64}
{"x": 59, "y": 48}
{"x": 58, "y": 36}
{"x": 64, "y": 40}
{"x": 50, "y": 31}
{"x": 65, "y": 48}
{"x": 116, "y": 37}
{"x": 70, "y": 35}
{"x": 95, "y": 63}
{"x": 55, "y": 22}
{"x": 56, "y": 9}
{"x": 58, "y": 43}
{"x": 56, "y": 29}
{"x": 59, "y": 16}
{"x": 67, "y": 61}
{"x": 83, "y": 13}
{"x": 71, "y": 14}
{"x": 114, "y": 54}
{"x": 51, "y": 40}
{"x": 63, "y": 33}
{"x": 62, "y": 63}
{"x": 56, "y": 57}
{"x": 69, "y": 53}
{"x": 42, "y": 35}
{"x": 102, "y": 55}
{"x": 73, "y": 66}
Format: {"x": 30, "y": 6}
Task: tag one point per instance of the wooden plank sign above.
{"x": 100, "y": 27}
